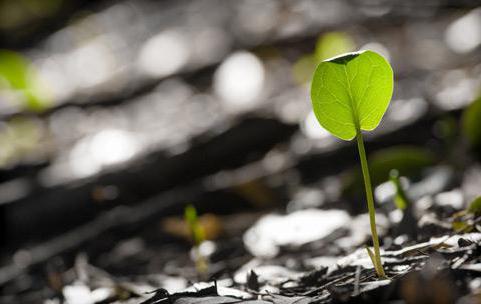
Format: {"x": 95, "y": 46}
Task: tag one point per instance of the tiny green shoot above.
{"x": 400, "y": 198}
{"x": 464, "y": 221}
{"x": 350, "y": 93}
{"x": 198, "y": 236}
{"x": 475, "y": 206}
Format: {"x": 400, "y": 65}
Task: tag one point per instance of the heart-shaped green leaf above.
{"x": 351, "y": 92}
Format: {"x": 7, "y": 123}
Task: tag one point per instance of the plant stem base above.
{"x": 376, "y": 257}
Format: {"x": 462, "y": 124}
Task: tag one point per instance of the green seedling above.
{"x": 400, "y": 198}
{"x": 198, "y": 236}
{"x": 350, "y": 93}
{"x": 466, "y": 220}
{"x": 408, "y": 223}
{"x": 475, "y": 206}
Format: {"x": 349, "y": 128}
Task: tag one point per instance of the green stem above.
{"x": 370, "y": 205}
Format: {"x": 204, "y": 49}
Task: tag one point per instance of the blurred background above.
{"x": 116, "y": 114}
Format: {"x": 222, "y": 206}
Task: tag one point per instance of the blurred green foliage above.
{"x": 18, "y": 13}
{"x": 475, "y": 206}
{"x": 18, "y": 138}
{"x": 18, "y": 76}
{"x": 327, "y": 45}
{"x": 446, "y": 128}
{"x": 303, "y": 69}
{"x": 333, "y": 44}
{"x": 471, "y": 124}
{"x": 408, "y": 160}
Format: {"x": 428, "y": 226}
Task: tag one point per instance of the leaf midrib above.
{"x": 351, "y": 101}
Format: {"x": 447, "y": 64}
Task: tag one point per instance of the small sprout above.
{"x": 350, "y": 93}
{"x": 408, "y": 223}
{"x": 475, "y": 206}
{"x": 196, "y": 230}
{"x": 198, "y": 236}
{"x": 400, "y": 198}
{"x": 464, "y": 221}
